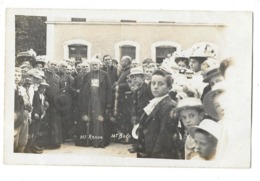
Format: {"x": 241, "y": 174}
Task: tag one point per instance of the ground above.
{"x": 113, "y": 149}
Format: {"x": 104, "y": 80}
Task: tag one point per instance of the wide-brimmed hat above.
{"x": 44, "y": 83}
{"x": 203, "y": 50}
{"x": 210, "y": 74}
{"x": 28, "y": 81}
{"x": 136, "y": 70}
{"x": 39, "y": 60}
{"x": 189, "y": 102}
{"x": 179, "y": 55}
{"x": 208, "y": 99}
{"x": 36, "y": 73}
{"x": 208, "y": 125}
{"x": 25, "y": 56}
{"x": 62, "y": 101}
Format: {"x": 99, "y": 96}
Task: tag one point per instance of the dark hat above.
{"x": 210, "y": 74}
{"x": 62, "y": 101}
{"x": 24, "y": 56}
{"x": 38, "y": 62}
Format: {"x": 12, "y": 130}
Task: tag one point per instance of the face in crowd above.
{"x": 125, "y": 61}
{"x": 85, "y": 67}
{"x": 53, "y": 66}
{"x": 94, "y": 65}
{"x": 42, "y": 89}
{"x": 205, "y": 144}
{"x": 195, "y": 65}
{"x": 39, "y": 66}
{"x": 18, "y": 76}
{"x": 69, "y": 70}
{"x": 137, "y": 79}
{"x": 183, "y": 64}
{"x": 148, "y": 73}
{"x": 63, "y": 66}
{"x": 107, "y": 61}
{"x": 191, "y": 117}
{"x": 159, "y": 85}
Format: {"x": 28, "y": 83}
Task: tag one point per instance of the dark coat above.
{"x": 18, "y": 109}
{"x": 158, "y": 134}
{"x": 141, "y": 98}
{"x": 122, "y": 83}
{"x": 112, "y": 72}
{"x": 37, "y": 104}
{"x": 55, "y": 85}
{"x": 105, "y": 91}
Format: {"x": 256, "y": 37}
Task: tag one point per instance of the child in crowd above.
{"x": 40, "y": 106}
{"x": 148, "y": 70}
{"x": 206, "y": 137}
{"x": 20, "y": 115}
{"x": 158, "y": 134}
{"x": 141, "y": 97}
{"x": 190, "y": 111}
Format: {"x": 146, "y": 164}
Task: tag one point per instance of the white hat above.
{"x": 203, "y": 50}
{"x": 136, "y": 70}
{"x": 189, "y": 102}
{"x": 36, "y": 73}
{"x": 208, "y": 125}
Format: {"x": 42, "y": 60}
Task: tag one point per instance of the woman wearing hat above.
{"x": 96, "y": 97}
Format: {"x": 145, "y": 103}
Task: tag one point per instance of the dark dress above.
{"x": 96, "y": 97}
{"x": 52, "y": 126}
{"x": 124, "y": 105}
{"x": 158, "y": 134}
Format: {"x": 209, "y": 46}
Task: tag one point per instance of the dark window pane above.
{"x": 78, "y": 51}
{"x": 127, "y": 50}
{"x": 163, "y": 51}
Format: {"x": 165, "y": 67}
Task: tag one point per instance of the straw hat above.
{"x": 136, "y": 70}
{"x": 44, "y": 83}
{"x": 203, "y": 50}
{"x": 36, "y": 73}
{"x": 189, "y": 102}
{"x": 207, "y": 125}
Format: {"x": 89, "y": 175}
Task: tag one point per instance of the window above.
{"x": 78, "y": 51}
{"x": 164, "y": 51}
{"x": 127, "y": 50}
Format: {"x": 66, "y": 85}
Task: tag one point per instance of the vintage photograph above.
{"x": 128, "y": 88}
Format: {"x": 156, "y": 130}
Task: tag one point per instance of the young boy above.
{"x": 158, "y": 134}
{"x": 206, "y": 137}
{"x": 190, "y": 111}
{"x": 141, "y": 97}
{"x": 20, "y": 114}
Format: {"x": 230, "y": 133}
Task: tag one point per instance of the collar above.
{"x": 150, "y": 107}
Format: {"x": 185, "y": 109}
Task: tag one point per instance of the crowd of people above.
{"x": 168, "y": 110}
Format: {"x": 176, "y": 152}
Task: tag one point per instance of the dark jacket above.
{"x": 158, "y": 135}
{"x": 112, "y": 72}
{"x": 141, "y": 98}
{"x": 105, "y": 91}
{"x": 122, "y": 81}
{"x": 54, "y": 85}
{"x": 37, "y": 105}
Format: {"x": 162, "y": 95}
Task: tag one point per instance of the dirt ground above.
{"x": 113, "y": 149}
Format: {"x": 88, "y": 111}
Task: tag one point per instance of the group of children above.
{"x": 173, "y": 107}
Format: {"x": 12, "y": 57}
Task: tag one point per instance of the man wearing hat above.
{"x": 96, "y": 97}
{"x": 141, "y": 97}
{"x": 123, "y": 100}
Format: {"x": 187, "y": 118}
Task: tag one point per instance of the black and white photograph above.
{"x": 139, "y": 88}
